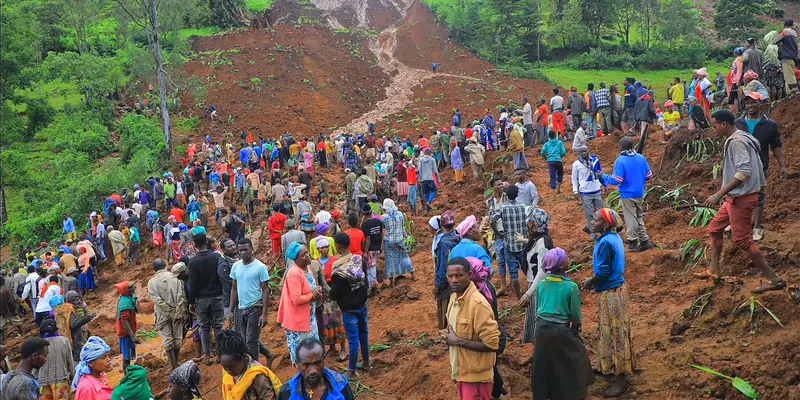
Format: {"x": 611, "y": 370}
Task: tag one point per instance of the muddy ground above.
{"x": 316, "y": 80}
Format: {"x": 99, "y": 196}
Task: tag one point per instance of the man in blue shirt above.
{"x": 244, "y": 154}
{"x": 631, "y": 171}
{"x": 250, "y": 299}
{"x": 446, "y": 242}
{"x": 69, "y": 228}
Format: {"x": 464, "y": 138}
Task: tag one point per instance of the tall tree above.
{"x": 227, "y": 12}
{"x": 625, "y": 18}
{"x": 649, "y": 13}
{"x": 596, "y": 14}
{"x": 736, "y": 20}
{"x": 146, "y": 17}
{"x": 681, "y": 19}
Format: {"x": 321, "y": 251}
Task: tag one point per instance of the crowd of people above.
{"x": 327, "y": 258}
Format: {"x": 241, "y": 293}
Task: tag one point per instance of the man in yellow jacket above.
{"x": 472, "y": 333}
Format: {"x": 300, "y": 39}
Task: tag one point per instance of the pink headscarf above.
{"x": 466, "y": 225}
{"x": 554, "y": 259}
{"x": 480, "y": 273}
{"x": 750, "y": 75}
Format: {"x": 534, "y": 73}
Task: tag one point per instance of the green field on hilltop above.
{"x": 659, "y": 80}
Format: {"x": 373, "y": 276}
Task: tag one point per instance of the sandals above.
{"x": 780, "y": 284}
{"x": 706, "y": 274}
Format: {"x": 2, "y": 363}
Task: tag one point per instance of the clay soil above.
{"x": 669, "y": 332}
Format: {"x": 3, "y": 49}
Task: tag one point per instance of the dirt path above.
{"x": 399, "y": 92}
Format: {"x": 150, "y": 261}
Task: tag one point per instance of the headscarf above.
{"x": 336, "y": 214}
{"x": 669, "y": 103}
{"x": 294, "y": 250}
{"x": 48, "y": 328}
{"x": 703, "y": 72}
{"x": 448, "y": 218}
{"x": 611, "y": 216}
{"x": 353, "y": 272}
{"x": 750, "y": 75}
{"x": 539, "y": 217}
{"x": 187, "y": 375}
{"x": 179, "y": 268}
{"x": 480, "y": 273}
{"x": 466, "y": 225}
{"x": 91, "y": 351}
{"x": 322, "y": 229}
{"x": 435, "y": 222}
{"x": 323, "y": 241}
{"x": 389, "y": 206}
{"x": 738, "y": 51}
{"x": 192, "y": 198}
{"x": 133, "y": 386}
{"x": 554, "y": 260}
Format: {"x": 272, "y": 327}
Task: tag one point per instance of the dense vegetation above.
{"x": 601, "y": 34}
{"x": 65, "y": 66}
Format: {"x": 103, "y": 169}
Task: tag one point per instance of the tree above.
{"x": 649, "y": 12}
{"x": 227, "y": 13}
{"x": 625, "y": 18}
{"x": 682, "y": 19}
{"x": 596, "y": 14}
{"x": 737, "y": 20}
{"x": 77, "y": 13}
{"x": 147, "y": 18}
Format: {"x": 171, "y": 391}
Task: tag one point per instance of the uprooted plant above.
{"x": 702, "y": 216}
{"x": 675, "y": 194}
{"x": 752, "y": 302}
{"x": 739, "y": 383}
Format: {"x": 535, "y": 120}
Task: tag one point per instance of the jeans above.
{"x": 247, "y": 325}
{"x": 556, "y": 169}
{"x": 591, "y": 122}
{"x": 501, "y": 257}
{"x": 428, "y": 192}
{"x": 356, "y": 324}
{"x": 591, "y": 203}
{"x": 634, "y": 219}
{"x": 210, "y": 314}
{"x": 218, "y": 215}
{"x": 412, "y": 197}
{"x": 514, "y": 260}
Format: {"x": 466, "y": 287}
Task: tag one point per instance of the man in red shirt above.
{"x": 411, "y": 176}
{"x": 126, "y": 322}
{"x": 276, "y": 225}
{"x": 357, "y": 237}
{"x": 177, "y": 213}
{"x": 541, "y": 118}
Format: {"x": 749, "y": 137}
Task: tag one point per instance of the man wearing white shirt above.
{"x": 527, "y": 121}
{"x": 29, "y": 291}
{"x": 43, "y": 306}
{"x": 587, "y": 185}
{"x": 323, "y": 216}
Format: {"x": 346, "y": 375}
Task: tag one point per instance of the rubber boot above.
{"x": 173, "y": 361}
{"x": 558, "y": 187}
{"x": 515, "y": 288}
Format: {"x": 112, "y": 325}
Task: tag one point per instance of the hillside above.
{"x": 337, "y": 64}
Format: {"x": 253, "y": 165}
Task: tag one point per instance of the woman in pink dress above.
{"x": 309, "y": 162}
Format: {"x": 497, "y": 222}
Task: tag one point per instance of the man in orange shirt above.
{"x": 276, "y": 224}
{"x": 541, "y": 121}
{"x": 177, "y": 213}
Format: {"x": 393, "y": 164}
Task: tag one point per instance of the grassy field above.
{"x": 659, "y": 80}
{"x": 259, "y": 5}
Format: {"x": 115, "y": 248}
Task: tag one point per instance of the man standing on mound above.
{"x": 742, "y": 179}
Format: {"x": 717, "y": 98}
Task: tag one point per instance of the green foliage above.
{"x": 79, "y": 131}
{"x": 258, "y": 5}
{"x": 703, "y": 216}
{"x": 186, "y": 124}
{"x": 741, "y": 385}
{"x": 737, "y": 20}
{"x": 94, "y": 75}
{"x": 692, "y": 252}
{"x": 138, "y": 133}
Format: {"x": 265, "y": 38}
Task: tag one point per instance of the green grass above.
{"x": 58, "y": 93}
{"x": 660, "y": 80}
{"x": 184, "y": 34}
{"x": 259, "y": 5}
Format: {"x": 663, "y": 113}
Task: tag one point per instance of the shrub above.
{"x": 530, "y": 74}
{"x": 137, "y": 132}
{"x": 79, "y": 131}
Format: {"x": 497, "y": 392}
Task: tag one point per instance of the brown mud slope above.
{"x": 676, "y": 320}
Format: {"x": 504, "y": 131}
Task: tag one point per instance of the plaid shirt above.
{"x": 603, "y": 98}
{"x": 395, "y": 231}
{"x": 514, "y": 220}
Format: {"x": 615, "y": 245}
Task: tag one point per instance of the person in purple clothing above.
{"x": 631, "y": 171}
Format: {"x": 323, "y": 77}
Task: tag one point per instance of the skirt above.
{"x": 773, "y": 76}
{"x": 529, "y": 331}
{"x": 293, "y": 338}
{"x": 615, "y": 347}
{"x": 119, "y": 258}
{"x": 86, "y": 280}
{"x": 402, "y": 188}
{"x": 397, "y": 260}
{"x": 56, "y": 391}
{"x": 459, "y": 175}
{"x": 561, "y": 368}
{"x": 175, "y": 250}
{"x": 332, "y": 323}
{"x": 158, "y": 239}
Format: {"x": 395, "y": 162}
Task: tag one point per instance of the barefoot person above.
{"x": 742, "y": 179}
{"x": 615, "y": 347}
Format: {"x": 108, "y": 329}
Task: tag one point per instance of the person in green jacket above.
{"x": 554, "y": 152}
{"x": 169, "y": 193}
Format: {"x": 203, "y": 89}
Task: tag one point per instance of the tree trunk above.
{"x": 162, "y": 76}
{"x": 3, "y": 211}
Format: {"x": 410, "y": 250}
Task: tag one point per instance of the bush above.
{"x": 79, "y": 131}
{"x": 530, "y": 74}
{"x": 137, "y": 132}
